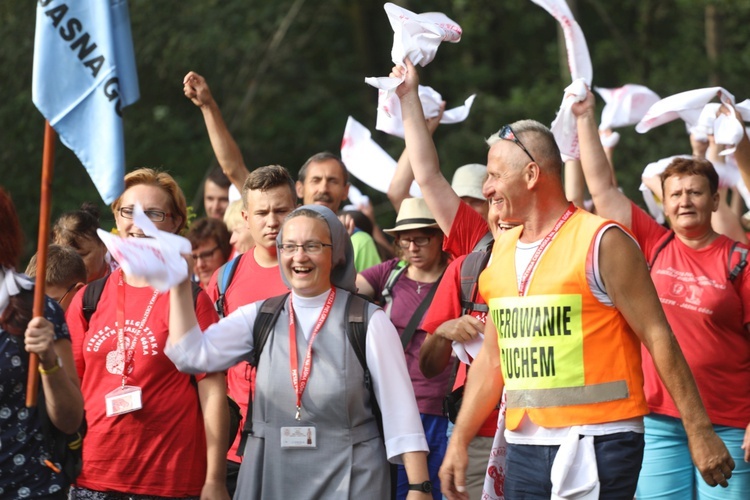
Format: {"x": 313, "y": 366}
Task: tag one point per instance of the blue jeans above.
{"x": 668, "y": 471}
{"x": 618, "y": 460}
{"x": 434, "y": 430}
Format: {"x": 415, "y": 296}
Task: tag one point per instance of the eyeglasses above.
{"x": 153, "y": 215}
{"x": 208, "y": 254}
{"x": 59, "y": 301}
{"x": 310, "y": 248}
{"x": 420, "y": 241}
{"x": 507, "y": 133}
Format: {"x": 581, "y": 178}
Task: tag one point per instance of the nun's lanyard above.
{"x": 299, "y": 381}
{"x": 127, "y": 355}
{"x": 522, "y": 287}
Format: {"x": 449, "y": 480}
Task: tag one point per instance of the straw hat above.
{"x": 414, "y": 214}
{"x": 468, "y": 180}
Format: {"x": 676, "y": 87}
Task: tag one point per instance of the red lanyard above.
{"x": 299, "y": 382}
{"x": 545, "y": 242}
{"x": 127, "y": 355}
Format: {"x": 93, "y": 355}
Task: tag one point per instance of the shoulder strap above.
{"x": 471, "y": 267}
{"x": 388, "y": 288}
{"x": 356, "y": 331}
{"x": 93, "y": 293}
{"x": 485, "y": 244}
{"x": 268, "y": 314}
{"x": 91, "y": 296}
{"x": 416, "y": 318}
{"x": 659, "y": 247}
{"x": 737, "y": 269}
{"x": 225, "y": 274}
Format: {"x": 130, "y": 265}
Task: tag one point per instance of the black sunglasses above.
{"x": 507, "y": 133}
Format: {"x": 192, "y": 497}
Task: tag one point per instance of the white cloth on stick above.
{"x": 416, "y": 36}
{"x": 391, "y": 121}
{"x": 157, "y": 259}
{"x": 367, "y": 161}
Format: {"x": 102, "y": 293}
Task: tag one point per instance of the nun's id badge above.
{"x": 123, "y": 400}
{"x": 298, "y": 437}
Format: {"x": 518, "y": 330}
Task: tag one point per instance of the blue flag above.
{"x": 84, "y": 74}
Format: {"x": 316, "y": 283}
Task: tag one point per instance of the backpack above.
{"x": 356, "y": 332}
{"x": 386, "y": 293}
{"x": 471, "y": 268}
{"x": 91, "y": 296}
{"x": 224, "y": 277}
{"x": 732, "y": 271}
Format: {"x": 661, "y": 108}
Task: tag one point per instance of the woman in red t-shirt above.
{"x": 152, "y": 431}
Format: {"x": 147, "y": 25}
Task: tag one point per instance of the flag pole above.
{"x": 48, "y": 163}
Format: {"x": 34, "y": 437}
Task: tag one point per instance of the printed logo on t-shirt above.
{"x": 106, "y": 339}
{"x": 686, "y": 290}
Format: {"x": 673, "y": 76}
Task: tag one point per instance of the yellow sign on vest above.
{"x": 540, "y": 339}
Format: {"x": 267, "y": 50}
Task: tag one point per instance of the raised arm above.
{"x": 440, "y": 197}
{"x": 628, "y": 283}
{"x": 608, "y": 200}
{"x": 225, "y": 148}
{"x": 402, "y": 179}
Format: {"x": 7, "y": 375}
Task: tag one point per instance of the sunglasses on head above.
{"x": 507, "y": 133}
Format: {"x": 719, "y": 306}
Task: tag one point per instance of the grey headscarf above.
{"x": 343, "y": 274}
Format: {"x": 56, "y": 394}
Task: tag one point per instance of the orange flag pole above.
{"x": 48, "y": 163}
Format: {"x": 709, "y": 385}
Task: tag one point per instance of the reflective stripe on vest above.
{"x": 565, "y": 396}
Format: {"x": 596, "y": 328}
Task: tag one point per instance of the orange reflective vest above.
{"x": 566, "y": 358}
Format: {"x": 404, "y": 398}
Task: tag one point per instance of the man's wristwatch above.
{"x": 425, "y": 487}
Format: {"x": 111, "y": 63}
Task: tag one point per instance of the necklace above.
{"x": 420, "y": 285}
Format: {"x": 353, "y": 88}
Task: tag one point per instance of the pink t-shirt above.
{"x": 707, "y": 314}
{"x": 446, "y": 305}
{"x": 251, "y": 283}
{"x": 161, "y": 448}
{"x": 407, "y": 295}
{"x": 467, "y": 230}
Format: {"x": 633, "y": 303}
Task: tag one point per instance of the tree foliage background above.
{"x": 288, "y": 73}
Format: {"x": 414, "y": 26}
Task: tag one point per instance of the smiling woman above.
{"x": 331, "y": 443}
{"x": 135, "y": 399}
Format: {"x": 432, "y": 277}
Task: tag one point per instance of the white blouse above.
{"x": 227, "y": 342}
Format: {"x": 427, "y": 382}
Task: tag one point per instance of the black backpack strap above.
{"x": 471, "y": 267}
{"x": 387, "y": 292}
{"x": 737, "y": 269}
{"x": 416, "y": 318}
{"x": 659, "y": 247}
{"x": 485, "y": 244}
{"x": 91, "y": 296}
{"x": 224, "y": 277}
{"x": 268, "y": 314}
{"x": 357, "y": 312}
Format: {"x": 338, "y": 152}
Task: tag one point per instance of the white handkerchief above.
{"x": 11, "y": 284}
{"x": 579, "y": 60}
{"x": 356, "y": 198}
{"x": 466, "y": 351}
{"x": 416, "y": 36}
{"x": 367, "y": 161}
{"x": 157, "y": 258}
{"x": 611, "y": 140}
{"x": 564, "y": 127}
{"x": 574, "y": 472}
{"x": 686, "y": 105}
{"x": 625, "y": 105}
{"x": 391, "y": 122}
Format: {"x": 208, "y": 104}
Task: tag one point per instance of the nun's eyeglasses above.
{"x": 507, "y": 133}
{"x": 310, "y": 248}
